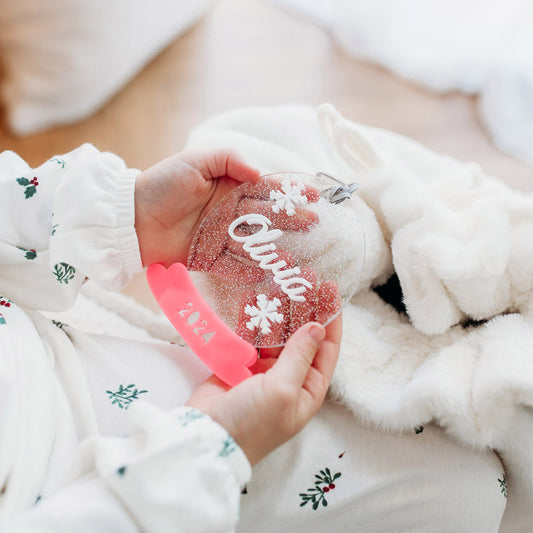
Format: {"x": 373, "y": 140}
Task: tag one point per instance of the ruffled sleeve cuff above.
{"x": 94, "y": 218}
{"x": 176, "y": 471}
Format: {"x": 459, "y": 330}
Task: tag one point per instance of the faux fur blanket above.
{"x": 441, "y": 327}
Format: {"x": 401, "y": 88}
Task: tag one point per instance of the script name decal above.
{"x": 260, "y": 246}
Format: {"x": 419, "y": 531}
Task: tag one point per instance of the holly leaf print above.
{"x": 59, "y": 161}
{"x": 30, "y": 186}
{"x": 228, "y": 447}
{"x": 324, "y": 484}
{"x": 64, "y": 272}
{"x": 30, "y": 191}
{"x": 503, "y": 485}
{"x": 124, "y": 396}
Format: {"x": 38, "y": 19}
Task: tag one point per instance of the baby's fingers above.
{"x": 262, "y": 189}
{"x": 298, "y": 355}
{"x": 261, "y": 330}
{"x": 230, "y": 267}
{"x": 234, "y": 166}
{"x": 277, "y": 333}
{"x": 210, "y": 240}
{"x": 326, "y": 358}
{"x": 304, "y": 312}
{"x": 246, "y": 329}
{"x": 328, "y": 302}
{"x": 218, "y": 163}
{"x": 300, "y": 219}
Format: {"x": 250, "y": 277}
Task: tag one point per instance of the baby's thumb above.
{"x": 299, "y": 352}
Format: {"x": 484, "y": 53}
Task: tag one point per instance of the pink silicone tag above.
{"x": 222, "y": 350}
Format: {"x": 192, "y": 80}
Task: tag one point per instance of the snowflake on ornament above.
{"x": 288, "y": 198}
{"x": 264, "y": 314}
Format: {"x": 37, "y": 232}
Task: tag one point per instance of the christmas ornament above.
{"x": 268, "y": 258}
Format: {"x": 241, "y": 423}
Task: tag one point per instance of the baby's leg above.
{"x": 417, "y": 482}
{"x": 120, "y": 371}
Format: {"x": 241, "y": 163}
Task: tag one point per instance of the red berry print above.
{"x": 28, "y": 254}
{"x": 30, "y": 186}
{"x": 331, "y": 486}
{"x": 325, "y": 489}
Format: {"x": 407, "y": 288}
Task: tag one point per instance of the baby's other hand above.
{"x": 173, "y": 196}
{"x": 264, "y": 411}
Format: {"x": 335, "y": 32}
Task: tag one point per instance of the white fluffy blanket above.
{"x": 461, "y": 244}
{"x": 477, "y": 46}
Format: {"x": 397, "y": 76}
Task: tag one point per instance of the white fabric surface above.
{"x": 460, "y": 242}
{"x": 390, "y": 482}
{"x": 476, "y": 46}
{"x": 63, "y": 59}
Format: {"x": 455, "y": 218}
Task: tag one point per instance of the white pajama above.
{"x": 71, "y": 218}
{"x": 92, "y": 429}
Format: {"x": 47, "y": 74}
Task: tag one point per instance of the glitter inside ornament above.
{"x": 271, "y": 256}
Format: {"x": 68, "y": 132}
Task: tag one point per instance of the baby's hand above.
{"x": 173, "y": 196}
{"x": 264, "y": 411}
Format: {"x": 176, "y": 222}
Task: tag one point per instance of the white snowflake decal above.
{"x": 264, "y": 314}
{"x": 289, "y": 197}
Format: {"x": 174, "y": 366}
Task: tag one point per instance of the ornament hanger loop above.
{"x": 336, "y": 195}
